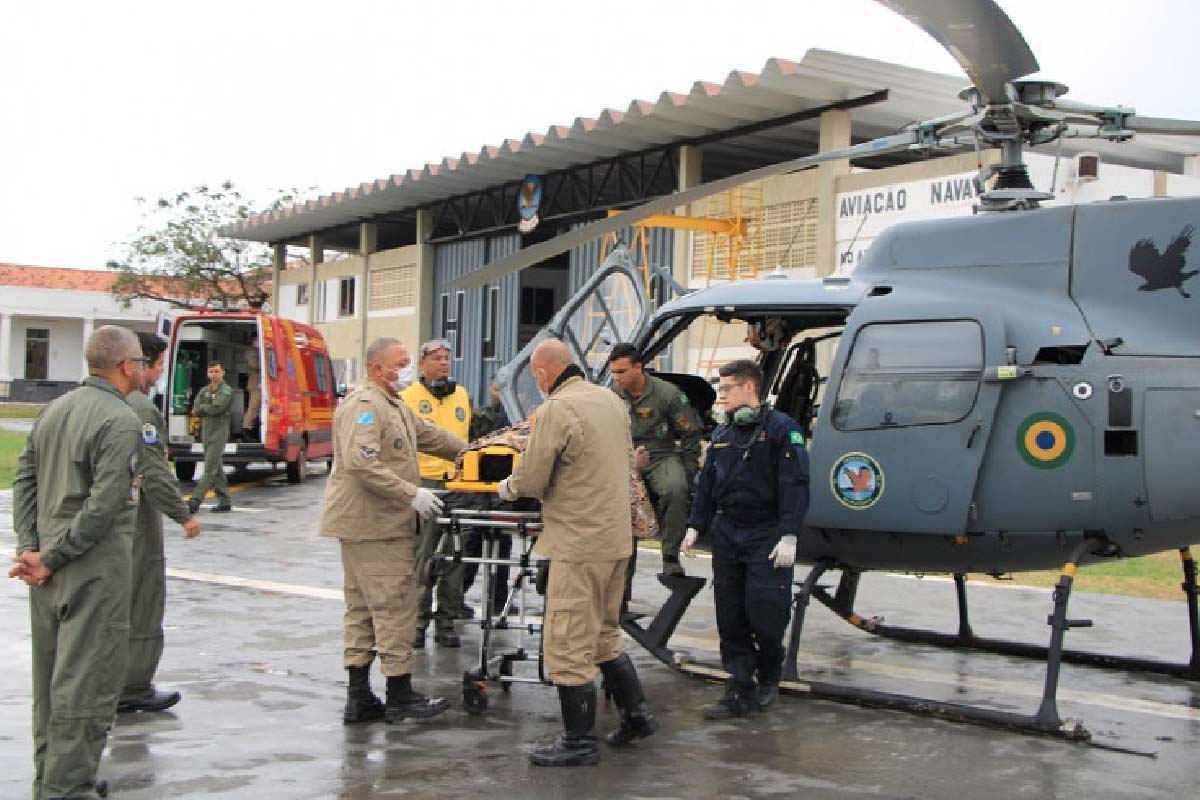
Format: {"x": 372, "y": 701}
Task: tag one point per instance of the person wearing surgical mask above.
{"x": 373, "y": 499}
{"x": 436, "y": 398}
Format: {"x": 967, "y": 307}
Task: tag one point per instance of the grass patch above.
{"x": 11, "y": 445}
{"x": 1158, "y": 576}
{"x": 19, "y": 410}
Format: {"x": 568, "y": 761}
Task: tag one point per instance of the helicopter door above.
{"x": 905, "y": 422}
{"x": 612, "y": 307}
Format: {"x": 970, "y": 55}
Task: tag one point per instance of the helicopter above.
{"x": 1010, "y": 391}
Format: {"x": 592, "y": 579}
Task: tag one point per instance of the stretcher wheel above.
{"x": 475, "y": 695}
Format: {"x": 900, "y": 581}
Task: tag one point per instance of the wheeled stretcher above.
{"x": 496, "y": 664}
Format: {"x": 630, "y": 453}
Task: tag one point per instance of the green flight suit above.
{"x": 663, "y": 421}
{"x": 75, "y": 500}
{"x": 213, "y": 410}
{"x": 160, "y": 495}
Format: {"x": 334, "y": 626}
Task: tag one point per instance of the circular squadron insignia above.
{"x": 460, "y": 414}
{"x": 425, "y": 407}
{"x": 149, "y": 433}
{"x": 1045, "y": 440}
{"x": 857, "y": 481}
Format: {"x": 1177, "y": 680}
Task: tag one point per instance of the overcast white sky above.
{"x": 104, "y": 102}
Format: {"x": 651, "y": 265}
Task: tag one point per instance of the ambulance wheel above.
{"x": 185, "y": 470}
{"x": 475, "y": 695}
{"x": 297, "y": 470}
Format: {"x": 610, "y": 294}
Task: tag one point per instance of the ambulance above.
{"x": 296, "y": 388}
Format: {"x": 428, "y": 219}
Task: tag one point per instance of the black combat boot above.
{"x": 576, "y": 747}
{"x": 403, "y": 702}
{"x": 636, "y": 720}
{"x": 361, "y": 703}
{"x": 738, "y": 701}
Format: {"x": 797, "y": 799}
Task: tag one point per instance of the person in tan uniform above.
{"x": 372, "y": 501}
{"x": 578, "y": 463}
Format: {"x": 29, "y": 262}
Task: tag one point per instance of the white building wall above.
{"x": 68, "y": 316}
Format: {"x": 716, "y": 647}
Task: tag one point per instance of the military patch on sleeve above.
{"x": 366, "y": 418}
{"x": 149, "y": 433}
{"x": 425, "y": 407}
{"x": 682, "y": 423}
{"x": 367, "y": 453}
{"x": 460, "y": 414}
{"x": 796, "y": 437}
{"x": 683, "y": 399}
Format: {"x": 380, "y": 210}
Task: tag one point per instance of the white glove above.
{"x": 426, "y": 503}
{"x": 506, "y": 493}
{"x": 689, "y": 539}
{"x": 784, "y": 553}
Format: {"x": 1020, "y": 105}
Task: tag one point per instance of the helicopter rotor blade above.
{"x": 1163, "y": 125}
{"x": 979, "y": 36}
{"x": 661, "y": 205}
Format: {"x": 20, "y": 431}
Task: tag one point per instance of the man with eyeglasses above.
{"x": 212, "y": 406}
{"x": 75, "y": 499}
{"x": 751, "y": 497}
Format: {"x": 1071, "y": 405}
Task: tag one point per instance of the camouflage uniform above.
{"x": 663, "y": 421}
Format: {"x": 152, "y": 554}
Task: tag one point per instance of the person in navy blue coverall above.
{"x": 751, "y": 497}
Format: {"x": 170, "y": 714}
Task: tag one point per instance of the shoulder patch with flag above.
{"x": 797, "y": 437}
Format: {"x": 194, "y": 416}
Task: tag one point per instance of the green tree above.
{"x": 179, "y": 256}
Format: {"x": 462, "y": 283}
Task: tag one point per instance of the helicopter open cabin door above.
{"x": 904, "y": 425}
{"x": 610, "y": 308}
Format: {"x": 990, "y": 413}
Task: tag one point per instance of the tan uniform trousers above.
{"x": 381, "y": 604}
{"x": 583, "y": 608}
{"x": 254, "y": 404}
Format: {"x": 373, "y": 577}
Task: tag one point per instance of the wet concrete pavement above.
{"x": 254, "y": 643}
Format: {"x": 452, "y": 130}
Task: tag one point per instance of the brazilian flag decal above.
{"x": 1045, "y": 440}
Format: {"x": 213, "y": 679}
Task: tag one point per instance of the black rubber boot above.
{"x": 404, "y": 703}
{"x": 636, "y": 720}
{"x": 361, "y": 703}
{"x": 576, "y": 747}
{"x": 736, "y": 702}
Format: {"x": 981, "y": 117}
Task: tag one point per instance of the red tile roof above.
{"x": 78, "y": 280}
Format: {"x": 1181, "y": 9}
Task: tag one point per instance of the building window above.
{"x": 912, "y": 373}
{"x": 37, "y": 353}
{"x": 319, "y": 299}
{"x": 537, "y": 305}
{"x": 346, "y": 296}
{"x": 452, "y": 325}
{"x": 301, "y": 294}
{"x": 491, "y": 304}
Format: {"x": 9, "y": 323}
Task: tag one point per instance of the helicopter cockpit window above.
{"x": 912, "y": 373}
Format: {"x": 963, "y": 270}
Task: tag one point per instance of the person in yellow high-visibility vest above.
{"x": 438, "y": 399}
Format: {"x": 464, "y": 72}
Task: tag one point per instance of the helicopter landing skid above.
{"x": 841, "y": 604}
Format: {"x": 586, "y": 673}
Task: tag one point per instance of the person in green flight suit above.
{"x": 212, "y": 406}
{"x": 160, "y": 495}
{"x": 75, "y": 500}
{"x": 666, "y": 438}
